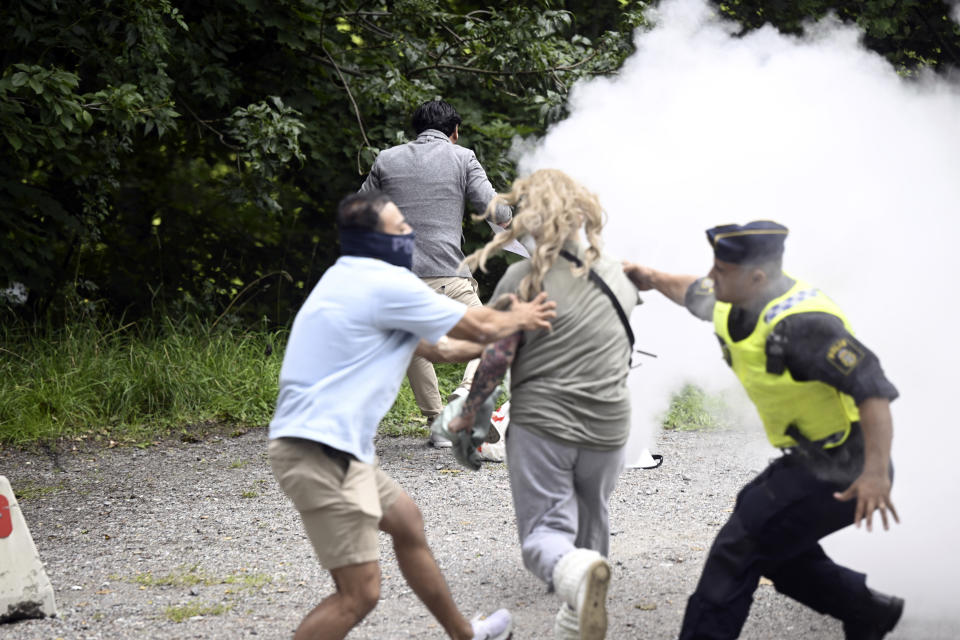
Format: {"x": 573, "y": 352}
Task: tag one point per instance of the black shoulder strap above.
{"x": 597, "y": 280}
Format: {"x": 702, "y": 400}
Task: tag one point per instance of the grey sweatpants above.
{"x": 560, "y": 496}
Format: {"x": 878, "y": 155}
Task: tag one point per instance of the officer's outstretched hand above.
{"x": 640, "y": 275}
{"x": 872, "y": 491}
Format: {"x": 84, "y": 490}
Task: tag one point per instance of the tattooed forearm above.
{"x": 496, "y": 360}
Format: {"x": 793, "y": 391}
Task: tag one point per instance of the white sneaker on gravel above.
{"x": 499, "y": 422}
{"x": 459, "y": 392}
{"x": 581, "y": 578}
{"x": 493, "y": 451}
{"x": 438, "y": 441}
{"x": 496, "y": 626}
{"x": 565, "y": 625}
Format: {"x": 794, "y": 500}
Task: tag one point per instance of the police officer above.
{"x": 825, "y": 402}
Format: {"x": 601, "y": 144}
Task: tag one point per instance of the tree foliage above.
{"x": 166, "y": 157}
{"x": 910, "y": 33}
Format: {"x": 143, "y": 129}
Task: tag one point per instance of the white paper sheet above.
{"x": 512, "y": 247}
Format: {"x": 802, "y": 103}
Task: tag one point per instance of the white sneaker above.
{"x": 496, "y": 626}
{"x": 438, "y": 441}
{"x": 565, "y": 625}
{"x": 459, "y": 392}
{"x": 581, "y": 579}
{"x": 499, "y": 421}
{"x": 494, "y": 451}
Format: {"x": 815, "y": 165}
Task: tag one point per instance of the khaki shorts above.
{"x": 341, "y": 508}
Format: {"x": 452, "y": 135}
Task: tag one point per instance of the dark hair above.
{"x": 436, "y": 114}
{"x": 361, "y": 210}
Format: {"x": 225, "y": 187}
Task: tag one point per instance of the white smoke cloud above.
{"x": 702, "y": 128}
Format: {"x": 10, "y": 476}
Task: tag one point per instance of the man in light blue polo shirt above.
{"x": 349, "y": 347}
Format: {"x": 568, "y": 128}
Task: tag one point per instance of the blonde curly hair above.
{"x": 552, "y": 207}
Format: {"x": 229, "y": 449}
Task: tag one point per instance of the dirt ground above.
{"x": 194, "y": 540}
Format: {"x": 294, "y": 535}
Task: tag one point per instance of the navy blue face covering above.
{"x": 396, "y": 250}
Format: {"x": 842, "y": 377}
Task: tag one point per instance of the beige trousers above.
{"x": 420, "y": 373}
{"x": 341, "y": 503}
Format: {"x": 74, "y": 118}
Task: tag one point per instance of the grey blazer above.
{"x": 431, "y": 180}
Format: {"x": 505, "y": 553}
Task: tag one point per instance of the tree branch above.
{"x": 205, "y": 123}
{"x": 356, "y": 109}
{"x": 348, "y": 70}
{"x": 492, "y": 72}
{"x": 368, "y": 14}
{"x": 375, "y": 29}
{"x": 454, "y": 34}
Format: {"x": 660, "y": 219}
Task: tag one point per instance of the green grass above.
{"x": 31, "y": 491}
{"x": 194, "y": 576}
{"x": 138, "y": 383}
{"x": 404, "y": 417}
{"x": 691, "y": 409}
{"x": 135, "y": 383}
{"x": 179, "y": 614}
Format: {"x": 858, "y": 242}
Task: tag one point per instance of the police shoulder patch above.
{"x": 702, "y": 287}
{"x": 845, "y": 355}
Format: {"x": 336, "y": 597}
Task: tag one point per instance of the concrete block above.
{"x": 25, "y": 590}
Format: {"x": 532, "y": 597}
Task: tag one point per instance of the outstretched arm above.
{"x": 673, "y": 286}
{"x": 449, "y": 350}
{"x": 872, "y": 488}
{"x": 485, "y": 325}
{"x": 497, "y": 358}
{"x": 480, "y": 192}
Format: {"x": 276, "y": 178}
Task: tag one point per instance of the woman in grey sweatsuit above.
{"x": 569, "y": 407}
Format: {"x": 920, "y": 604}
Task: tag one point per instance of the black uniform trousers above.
{"x": 774, "y": 531}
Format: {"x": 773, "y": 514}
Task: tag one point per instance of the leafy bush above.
{"x": 133, "y": 383}
{"x": 692, "y": 409}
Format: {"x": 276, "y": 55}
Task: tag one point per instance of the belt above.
{"x": 839, "y": 464}
{"x": 826, "y": 446}
{"x": 805, "y": 444}
{"x": 342, "y": 458}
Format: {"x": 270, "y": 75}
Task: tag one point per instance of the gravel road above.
{"x": 194, "y": 540}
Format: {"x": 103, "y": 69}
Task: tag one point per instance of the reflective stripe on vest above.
{"x": 817, "y": 409}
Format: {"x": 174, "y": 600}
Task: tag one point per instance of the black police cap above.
{"x": 753, "y": 242}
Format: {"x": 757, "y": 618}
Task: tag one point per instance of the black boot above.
{"x": 885, "y": 613}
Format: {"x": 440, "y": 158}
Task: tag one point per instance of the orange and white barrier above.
{"x": 25, "y": 590}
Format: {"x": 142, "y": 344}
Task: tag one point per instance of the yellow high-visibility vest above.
{"x": 816, "y": 408}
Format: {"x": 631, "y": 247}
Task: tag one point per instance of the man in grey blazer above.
{"x": 431, "y": 180}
